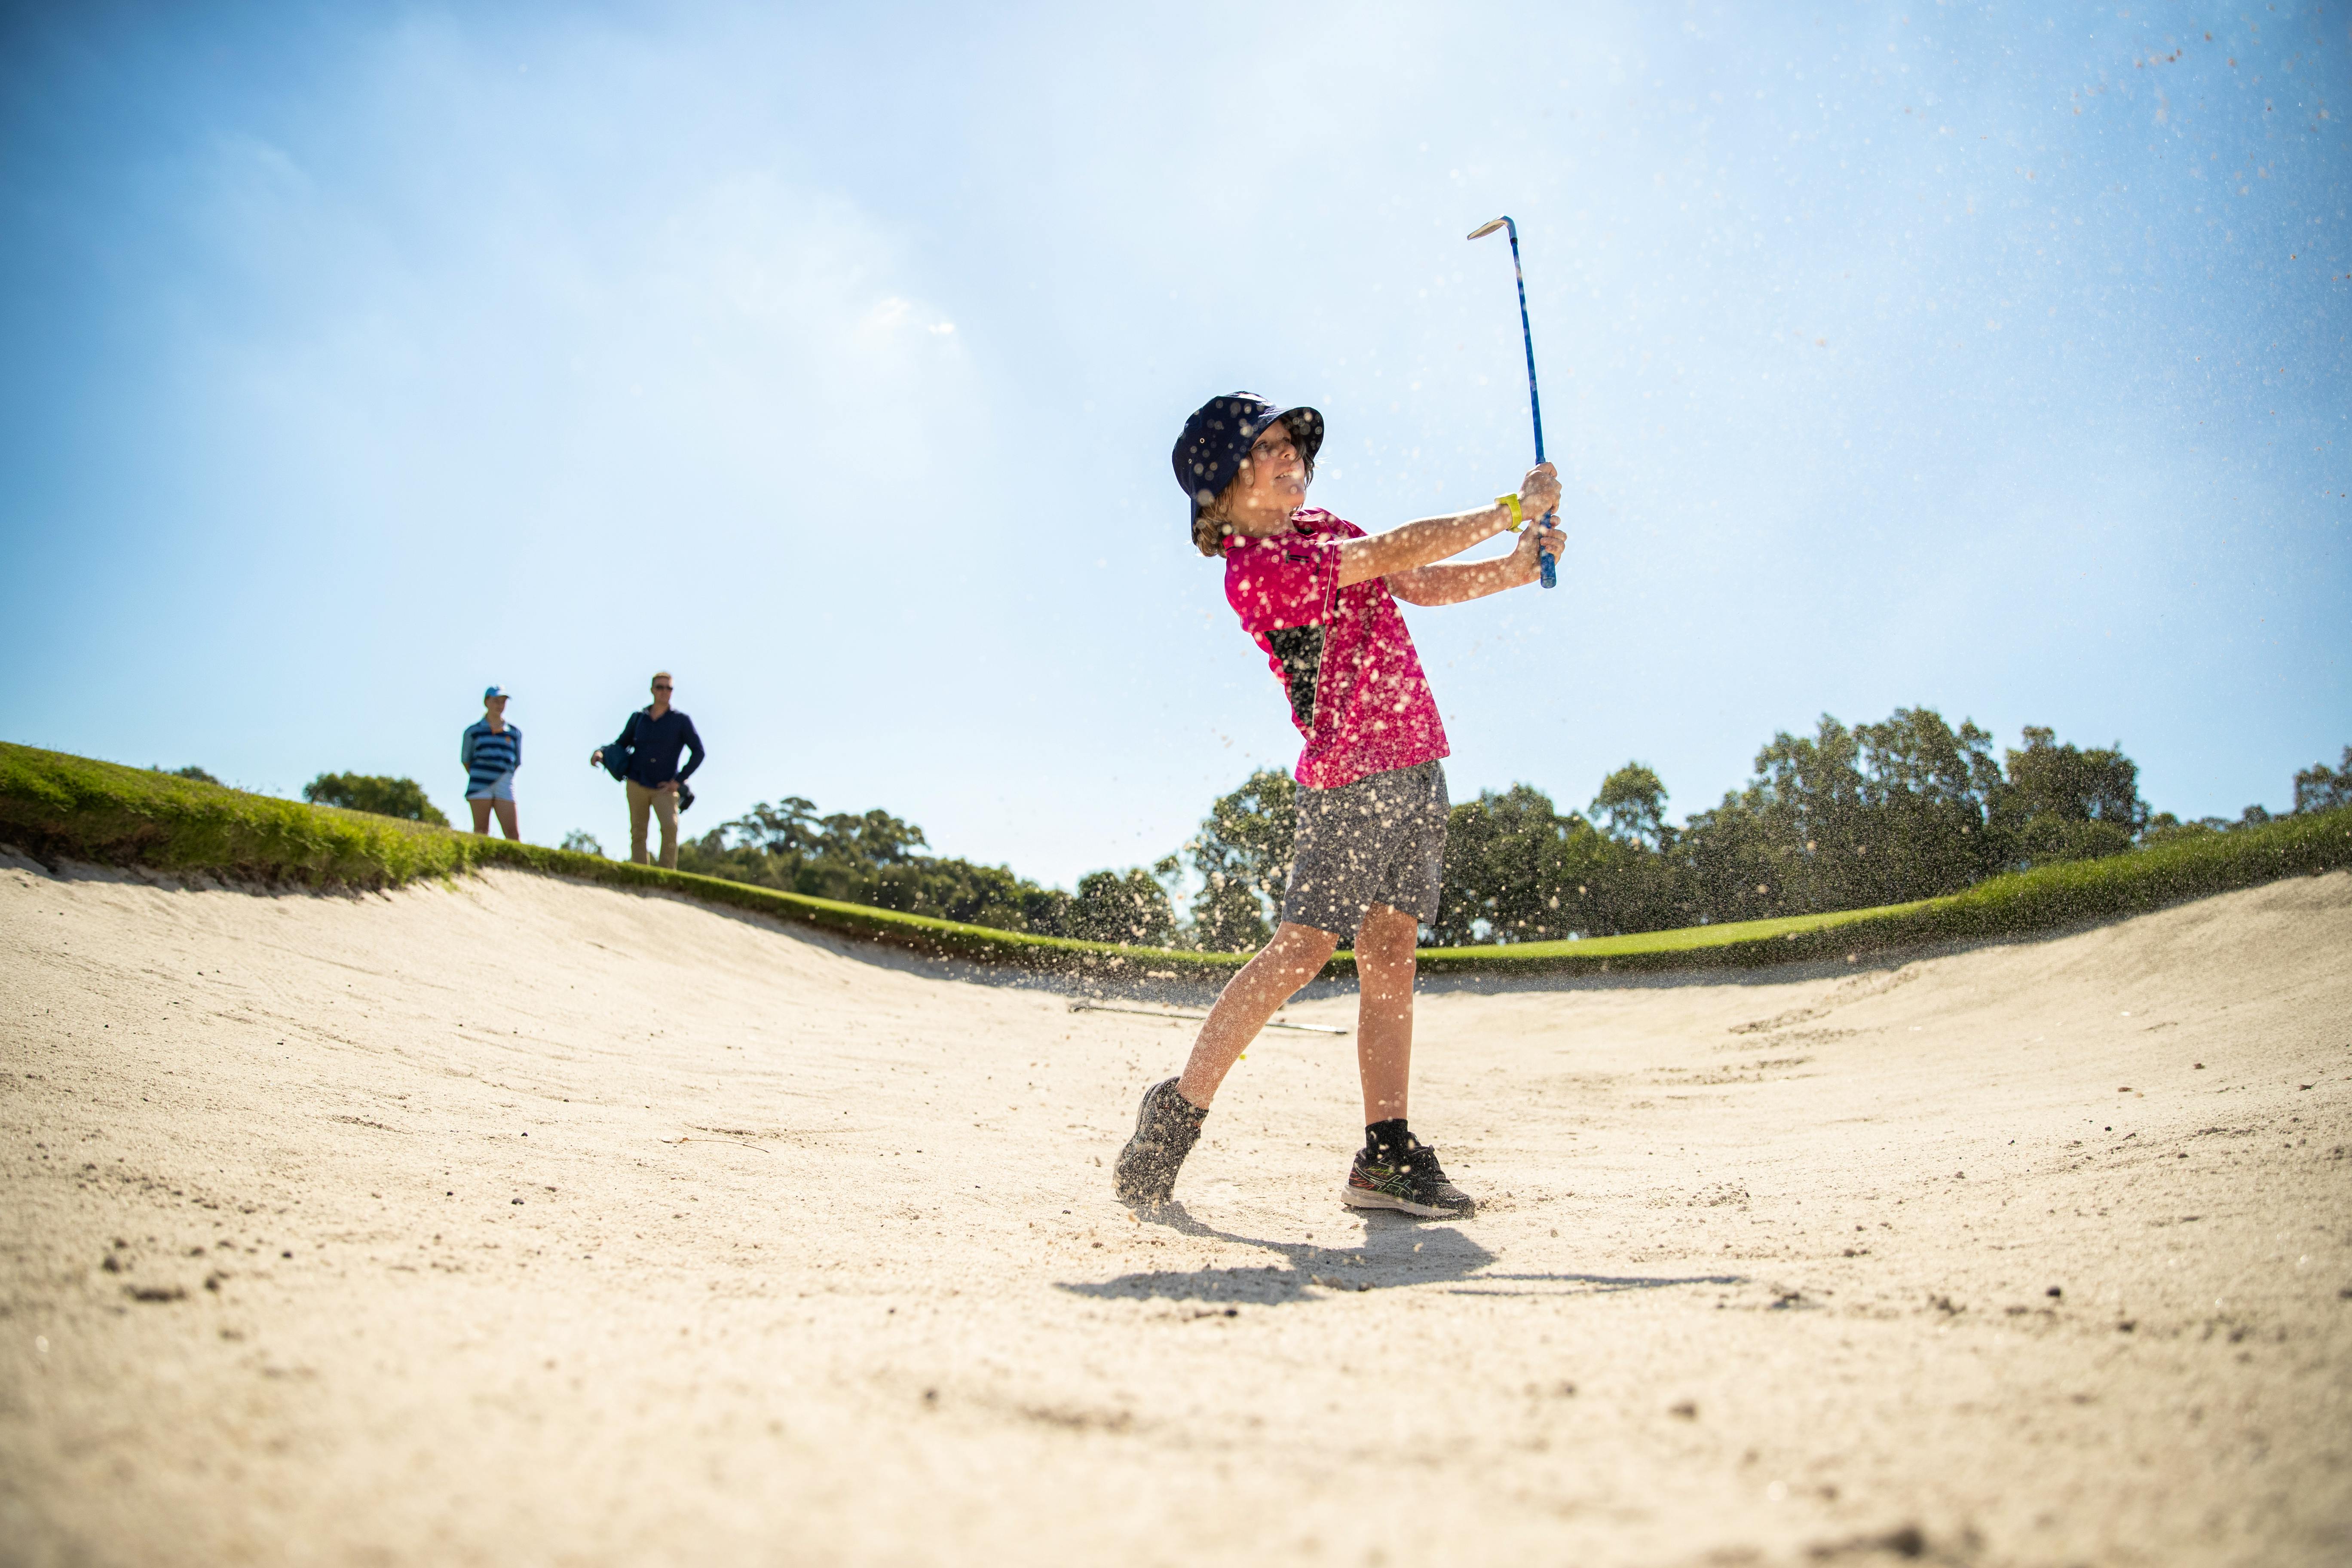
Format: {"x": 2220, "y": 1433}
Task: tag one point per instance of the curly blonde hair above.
{"x": 1215, "y": 525}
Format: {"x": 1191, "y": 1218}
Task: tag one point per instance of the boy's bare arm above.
{"x": 1413, "y": 544}
{"x": 1416, "y": 544}
{"x": 1452, "y": 582}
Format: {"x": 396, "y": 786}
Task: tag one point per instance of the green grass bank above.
{"x": 55, "y": 805}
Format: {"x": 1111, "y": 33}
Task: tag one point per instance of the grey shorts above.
{"x": 1380, "y": 840}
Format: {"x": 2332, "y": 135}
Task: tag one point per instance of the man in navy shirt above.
{"x": 645, "y": 758}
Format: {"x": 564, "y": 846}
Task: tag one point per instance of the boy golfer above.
{"x": 1320, "y": 596}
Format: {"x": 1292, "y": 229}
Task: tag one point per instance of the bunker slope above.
{"x": 520, "y": 1221}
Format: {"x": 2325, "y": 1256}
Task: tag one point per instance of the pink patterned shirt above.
{"x": 1357, "y": 692}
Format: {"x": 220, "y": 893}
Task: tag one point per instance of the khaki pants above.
{"x": 662, "y": 803}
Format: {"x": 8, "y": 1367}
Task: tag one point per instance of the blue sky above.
{"x": 1982, "y": 356}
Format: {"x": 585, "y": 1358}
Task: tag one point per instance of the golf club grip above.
{"x": 1543, "y": 557}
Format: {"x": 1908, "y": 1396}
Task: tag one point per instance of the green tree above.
{"x": 2321, "y": 788}
{"x": 1631, "y": 805}
{"x": 870, "y": 858}
{"x": 1129, "y": 906}
{"x": 190, "y": 771}
{"x": 1848, "y": 817}
{"x": 2062, "y": 803}
{"x": 951, "y": 890}
{"x": 1792, "y": 840}
{"x": 1046, "y": 911}
{"x": 1516, "y": 869}
{"x": 372, "y": 792}
{"x": 579, "y": 841}
{"x": 1809, "y": 794}
{"x": 1243, "y": 854}
{"x": 1927, "y": 793}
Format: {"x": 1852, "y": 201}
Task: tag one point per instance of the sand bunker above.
{"x": 526, "y": 1222}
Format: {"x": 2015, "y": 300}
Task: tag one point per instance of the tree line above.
{"x": 1845, "y": 818}
{"x": 872, "y": 858}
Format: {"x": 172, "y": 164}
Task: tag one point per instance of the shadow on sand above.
{"x": 1396, "y": 1251}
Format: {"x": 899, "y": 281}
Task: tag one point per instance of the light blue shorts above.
{"x": 498, "y": 788}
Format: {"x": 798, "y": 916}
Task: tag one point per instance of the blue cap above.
{"x": 490, "y": 691}
{"x": 1220, "y": 434}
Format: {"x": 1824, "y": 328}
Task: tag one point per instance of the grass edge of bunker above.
{"x": 57, "y": 806}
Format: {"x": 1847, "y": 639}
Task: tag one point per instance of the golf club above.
{"x": 1535, "y": 409}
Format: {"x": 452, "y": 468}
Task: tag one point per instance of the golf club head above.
{"x": 1489, "y": 226}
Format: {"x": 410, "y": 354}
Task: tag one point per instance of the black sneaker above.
{"x": 1413, "y": 1183}
{"x": 1166, "y": 1128}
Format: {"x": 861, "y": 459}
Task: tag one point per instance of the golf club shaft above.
{"x": 1535, "y": 406}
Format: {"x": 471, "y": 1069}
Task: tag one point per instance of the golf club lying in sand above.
{"x": 1535, "y": 409}
{"x": 1196, "y": 1018}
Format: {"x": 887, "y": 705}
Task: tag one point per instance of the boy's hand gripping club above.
{"x": 1535, "y": 409}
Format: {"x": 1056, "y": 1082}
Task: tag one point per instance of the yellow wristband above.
{"x": 1512, "y": 503}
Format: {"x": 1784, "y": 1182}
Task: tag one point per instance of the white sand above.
{"x": 551, "y": 1223}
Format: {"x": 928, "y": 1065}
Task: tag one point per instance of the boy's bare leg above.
{"x": 481, "y": 816}
{"x": 1292, "y": 958}
{"x": 1393, "y": 1170}
{"x": 507, "y": 819}
{"x": 1385, "y": 945}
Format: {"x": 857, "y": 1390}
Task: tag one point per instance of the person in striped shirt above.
{"x": 490, "y": 753}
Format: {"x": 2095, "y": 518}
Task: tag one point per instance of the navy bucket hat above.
{"x": 1220, "y": 434}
